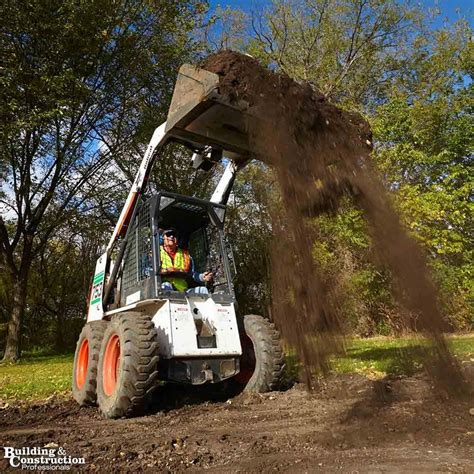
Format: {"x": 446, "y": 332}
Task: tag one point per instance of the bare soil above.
{"x": 350, "y": 424}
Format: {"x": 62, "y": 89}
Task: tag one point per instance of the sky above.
{"x": 448, "y": 7}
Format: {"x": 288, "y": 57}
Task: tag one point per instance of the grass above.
{"x": 382, "y": 356}
{"x": 37, "y": 376}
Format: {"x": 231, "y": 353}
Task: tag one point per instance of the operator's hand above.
{"x": 207, "y": 276}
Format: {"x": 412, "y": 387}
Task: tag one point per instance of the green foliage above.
{"x": 60, "y": 282}
{"x": 413, "y": 82}
{"x": 426, "y": 137}
{"x": 83, "y": 83}
{"x": 249, "y": 227}
{"x": 360, "y": 289}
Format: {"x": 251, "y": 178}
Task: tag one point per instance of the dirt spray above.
{"x": 321, "y": 154}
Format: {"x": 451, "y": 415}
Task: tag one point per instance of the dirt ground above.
{"x": 350, "y": 424}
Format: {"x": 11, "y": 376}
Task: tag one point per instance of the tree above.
{"x": 253, "y": 201}
{"x": 225, "y": 29}
{"x": 425, "y": 133}
{"x": 412, "y": 81}
{"x": 347, "y": 49}
{"x": 79, "y": 77}
{"x": 59, "y": 283}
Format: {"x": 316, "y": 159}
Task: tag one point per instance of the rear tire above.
{"x": 86, "y": 360}
{"x": 128, "y": 365}
{"x": 262, "y": 361}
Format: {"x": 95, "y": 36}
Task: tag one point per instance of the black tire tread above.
{"x": 139, "y": 374}
{"x": 269, "y": 354}
{"x": 94, "y": 331}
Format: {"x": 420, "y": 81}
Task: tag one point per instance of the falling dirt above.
{"x": 352, "y": 424}
{"x": 322, "y": 154}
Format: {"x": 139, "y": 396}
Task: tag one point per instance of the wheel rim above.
{"x": 82, "y": 364}
{"x": 247, "y": 361}
{"x": 111, "y": 364}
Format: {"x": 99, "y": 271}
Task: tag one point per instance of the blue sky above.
{"x": 448, "y": 7}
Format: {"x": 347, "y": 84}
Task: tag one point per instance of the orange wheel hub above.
{"x": 82, "y": 364}
{"x": 111, "y": 364}
{"x": 247, "y": 361}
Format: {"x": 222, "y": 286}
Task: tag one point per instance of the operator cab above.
{"x": 200, "y": 226}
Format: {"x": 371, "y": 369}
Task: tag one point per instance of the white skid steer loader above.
{"x": 140, "y": 331}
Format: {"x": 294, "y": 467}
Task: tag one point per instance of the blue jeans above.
{"x": 198, "y": 290}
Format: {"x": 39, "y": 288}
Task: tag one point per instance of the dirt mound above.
{"x": 321, "y": 154}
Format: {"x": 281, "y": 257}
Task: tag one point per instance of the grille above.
{"x": 215, "y": 261}
{"x": 144, "y": 238}
{"x": 189, "y": 207}
{"x": 198, "y": 249}
{"x": 138, "y": 259}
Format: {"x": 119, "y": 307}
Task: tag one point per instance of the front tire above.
{"x": 128, "y": 364}
{"x": 262, "y": 361}
{"x": 86, "y": 360}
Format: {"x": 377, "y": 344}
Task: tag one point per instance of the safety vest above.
{"x": 180, "y": 264}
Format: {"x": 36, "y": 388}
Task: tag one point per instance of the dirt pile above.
{"x": 321, "y": 154}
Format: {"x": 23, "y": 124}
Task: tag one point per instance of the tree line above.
{"x": 84, "y": 84}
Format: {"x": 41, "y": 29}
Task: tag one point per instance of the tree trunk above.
{"x": 12, "y": 348}
{"x": 59, "y": 342}
{"x": 19, "y": 290}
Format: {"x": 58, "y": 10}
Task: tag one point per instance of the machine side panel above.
{"x": 96, "y": 310}
{"x": 162, "y": 322}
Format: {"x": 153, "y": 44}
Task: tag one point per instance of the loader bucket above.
{"x": 201, "y": 116}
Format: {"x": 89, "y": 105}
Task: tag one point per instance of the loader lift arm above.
{"x": 157, "y": 142}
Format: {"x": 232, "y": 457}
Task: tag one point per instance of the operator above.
{"x": 176, "y": 261}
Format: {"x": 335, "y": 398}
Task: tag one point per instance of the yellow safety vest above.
{"x": 180, "y": 264}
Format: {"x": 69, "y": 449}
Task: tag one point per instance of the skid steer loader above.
{"x": 140, "y": 331}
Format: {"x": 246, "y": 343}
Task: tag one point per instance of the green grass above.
{"x": 38, "y": 376}
{"x": 383, "y": 356}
